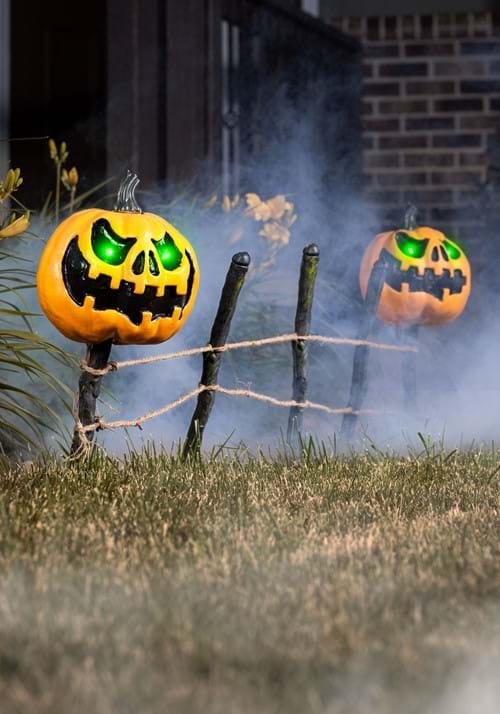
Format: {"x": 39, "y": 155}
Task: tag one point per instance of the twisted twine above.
{"x": 100, "y": 423}
{"x": 114, "y": 366}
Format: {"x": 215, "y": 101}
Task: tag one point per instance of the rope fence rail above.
{"x": 115, "y": 366}
{"x": 97, "y": 364}
{"x": 100, "y": 423}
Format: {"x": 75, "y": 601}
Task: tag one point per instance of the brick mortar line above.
{"x": 418, "y": 188}
{"x": 490, "y": 114}
{"x": 431, "y": 61}
{"x": 402, "y": 81}
{"x": 457, "y": 91}
{"x": 409, "y": 188}
{"x": 404, "y": 170}
{"x": 436, "y": 149}
{"x": 412, "y": 42}
{"x": 422, "y": 151}
{"x": 416, "y": 42}
{"x": 423, "y": 40}
{"x": 424, "y": 133}
{"x": 476, "y": 113}
{"x": 447, "y": 112}
{"x": 432, "y": 114}
{"x": 427, "y": 185}
{"x": 410, "y": 149}
{"x": 424, "y": 59}
{"x": 395, "y": 196}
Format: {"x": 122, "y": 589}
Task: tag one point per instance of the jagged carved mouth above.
{"x": 75, "y": 270}
{"x": 429, "y": 282}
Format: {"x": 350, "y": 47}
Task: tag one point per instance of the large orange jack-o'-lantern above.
{"x": 123, "y": 275}
{"x": 427, "y": 277}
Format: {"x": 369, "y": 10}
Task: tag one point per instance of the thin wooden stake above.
{"x": 359, "y": 383}
{"x": 211, "y": 360}
{"x": 308, "y": 271}
{"x": 89, "y": 387}
{"x": 409, "y": 336}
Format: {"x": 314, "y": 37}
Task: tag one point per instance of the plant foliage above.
{"x": 25, "y": 415}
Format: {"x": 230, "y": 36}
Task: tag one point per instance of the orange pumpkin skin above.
{"x": 86, "y": 324}
{"x": 398, "y": 307}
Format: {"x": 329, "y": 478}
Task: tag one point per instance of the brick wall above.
{"x": 431, "y": 110}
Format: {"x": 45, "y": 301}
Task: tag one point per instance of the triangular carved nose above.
{"x": 435, "y": 254}
{"x": 153, "y": 265}
{"x": 138, "y": 266}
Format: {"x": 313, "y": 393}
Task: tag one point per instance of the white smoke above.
{"x": 457, "y": 377}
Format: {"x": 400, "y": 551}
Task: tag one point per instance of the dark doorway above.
{"x": 58, "y": 83}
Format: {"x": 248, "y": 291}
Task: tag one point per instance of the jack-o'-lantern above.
{"x": 427, "y": 278}
{"x": 122, "y": 275}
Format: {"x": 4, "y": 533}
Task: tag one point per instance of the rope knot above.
{"x": 110, "y": 367}
{"x": 100, "y": 423}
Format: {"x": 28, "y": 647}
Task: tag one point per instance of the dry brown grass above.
{"x": 324, "y": 586}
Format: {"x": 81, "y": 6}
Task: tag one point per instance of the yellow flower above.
{"x": 256, "y": 208}
{"x": 276, "y": 233}
{"x": 252, "y": 200}
{"x": 73, "y": 176}
{"x": 278, "y": 206}
{"x": 52, "y": 149}
{"x": 58, "y": 156}
{"x": 228, "y": 204}
{"x": 16, "y": 226}
{"x": 63, "y": 152}
{"x": 11, "y": 183}
{"x": 211, "y": 201}
{"x": 70, "y": 178}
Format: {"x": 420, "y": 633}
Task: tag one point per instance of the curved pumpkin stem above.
{"x": 411, "y": 217}
{"x": 126, "y": 200}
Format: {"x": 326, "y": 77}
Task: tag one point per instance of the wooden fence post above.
{"x": 409, "y": 336}
{"x": 89, "y": 387}
{"x": 308, "y": 272}
{"x": 359, "y": 383}
{"x": 211, "y": 360}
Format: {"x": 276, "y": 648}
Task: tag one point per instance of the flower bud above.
{"x": 16, "y": 227}
{"x": 73, "y": 177}
{"x": 52, "y": 149}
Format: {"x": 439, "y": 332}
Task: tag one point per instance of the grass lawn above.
{"x": 359, "y": 584}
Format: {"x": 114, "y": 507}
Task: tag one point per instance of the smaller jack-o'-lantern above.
{"x": 427, "y": 278}
{"x": 122, "y": 275}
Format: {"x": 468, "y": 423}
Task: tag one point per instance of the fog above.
{"x": 457, "y": 382}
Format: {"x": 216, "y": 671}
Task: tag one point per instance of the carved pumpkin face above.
{"x": 427, "y": 280}
{"x": 122, "y": 275}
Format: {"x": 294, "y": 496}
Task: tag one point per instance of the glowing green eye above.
{"x": 452, "y": 250}
{"x": 107, "y": 245}
{"x": 169, "y": 254}
{"x": 411, "y": 247}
